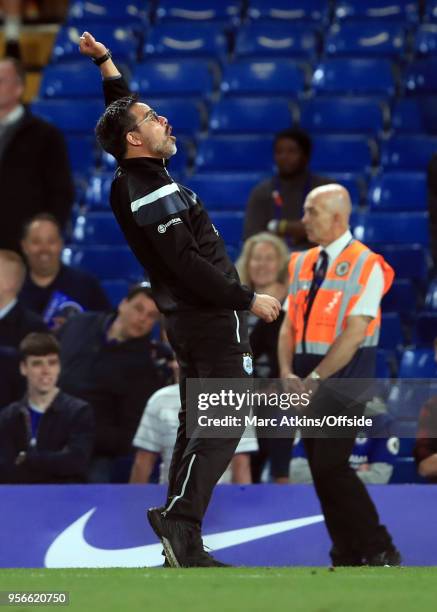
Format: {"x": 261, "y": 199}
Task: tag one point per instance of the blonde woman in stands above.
{"x": 262, "y": 267}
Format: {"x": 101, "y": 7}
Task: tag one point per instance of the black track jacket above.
{"x": 171, "y": 234}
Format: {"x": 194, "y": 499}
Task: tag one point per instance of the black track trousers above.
{"x": 207, "y": 345}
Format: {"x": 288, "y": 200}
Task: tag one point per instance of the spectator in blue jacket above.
{"x": 52, "y": 289}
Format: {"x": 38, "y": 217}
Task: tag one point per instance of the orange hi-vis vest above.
{"x": 342, "y": 286}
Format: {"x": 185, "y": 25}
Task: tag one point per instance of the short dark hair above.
{"x": 38, "y": 344}
{"x": 300, "y": 136}
{"x": 143, "y": 288}
{"x": 44, "y": 216}
{"x": 114, "y": 124}
{"x": 18, "y": 67}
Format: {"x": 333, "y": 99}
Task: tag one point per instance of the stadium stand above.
{"x": 358, "y": 75}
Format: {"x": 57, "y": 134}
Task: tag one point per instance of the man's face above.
{"x": 289, "y": 157}
{"x": 318, "y": 221}
{"x": 42, "y": 373}
{"x": 153, "y": 131}
{"x": 42, "y": 247}
{"x": 137, "y": 316}
{"x": 11, "y": 88}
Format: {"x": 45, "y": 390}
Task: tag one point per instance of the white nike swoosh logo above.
{"x": 70, "y": 549}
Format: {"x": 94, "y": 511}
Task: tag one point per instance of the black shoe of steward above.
{"x": 388, "y": 558}
{"x": 183, "y": 546}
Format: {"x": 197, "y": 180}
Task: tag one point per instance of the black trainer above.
{"x": 183, "y": 546}
{"x": 388, "y": 558}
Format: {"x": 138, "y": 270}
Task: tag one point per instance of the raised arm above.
{"x": 114, "y": 85}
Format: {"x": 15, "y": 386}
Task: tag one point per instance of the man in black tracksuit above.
{"x": 195, "y": 285}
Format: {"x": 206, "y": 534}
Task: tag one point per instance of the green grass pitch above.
{"x": 233, "y": 589}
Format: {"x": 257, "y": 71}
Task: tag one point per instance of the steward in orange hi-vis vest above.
{"x": 340, "y": 290}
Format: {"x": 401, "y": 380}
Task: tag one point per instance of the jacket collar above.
{"x": 53, "y": 407}
{"x": 153, "y": 163}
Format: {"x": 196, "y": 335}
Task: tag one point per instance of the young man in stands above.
{"x": 47, "y": 436}
{"x": 196, "y": 287}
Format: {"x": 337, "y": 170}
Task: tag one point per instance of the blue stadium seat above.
{"x": 230, "y": 225}
{"x": 407, "y": 260}
{"x": 360, "y": 77}
{"x": 187, "y": 40}
{"x": 425, "y": 40}
{"x": 97, "y": 228}
{"x": 288, "y": 10}
{"x": 81, "y": 152}
{"x": 73, "y": 80}
{"x": 415, "y": 115}
{"x": 408, "y": 152}
{"x": 401, "y": 298}
{"x": 431, "y": 10}
{"x": 186, "y": 116}
{"x": 106, "y": 10}
{"x": 108, "y": 262}
{"x": 382, "y": 228}
{"x": 174, "y": 78}
{"x": 425, "y": 331}
{"x": 116, "y": 290}
{"x": 199, "y": 11}
{"x": 420, "y": 76}
{"x": 275, "y": 39}
{"x": 366, "y": 39}
{"x": 78, "y": 116}
{"x": 405, "y": 400}
{"x": 382, "y": 369}
{"x": 235, "y": 154}
{"x": 347, "y": 115}
{"x": 122, "y": 39}
{"x": 431, "y": 297}
{"x": 342, "y": 153}
{"x": 391, "y": 10}
{"x": 352, "y": 181}
{"x": 391, "y": 336}
{"x": 248, "y": 115}
{"x": 249, "y": 77}
{"x": 398, "y": 191}
{"x": 418, "y": 363}
{"x": 98, "y": 191}
{"x": 224, "y": 191}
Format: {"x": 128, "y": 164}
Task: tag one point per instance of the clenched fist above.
{"x": 266, "y": 307}
{"x": 89, "y": 46}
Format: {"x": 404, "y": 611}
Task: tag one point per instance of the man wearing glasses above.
{"x": 195, "y": 285}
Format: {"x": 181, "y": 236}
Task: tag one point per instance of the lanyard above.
{"x": 278, "y": 200}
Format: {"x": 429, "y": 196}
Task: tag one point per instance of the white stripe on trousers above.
{"x": 237, "y": 331}
{"x": 176, "y": 497}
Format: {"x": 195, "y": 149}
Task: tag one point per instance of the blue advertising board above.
{"x": 258, "y": 525}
